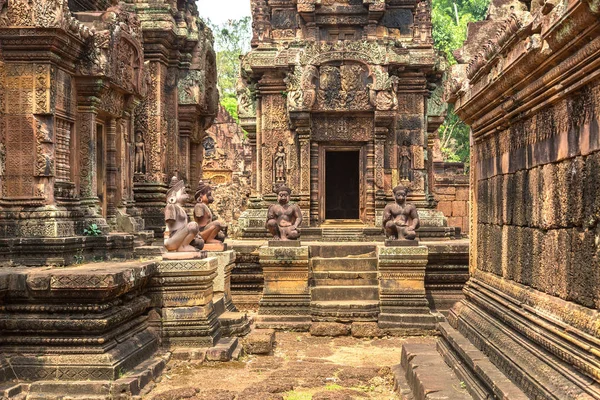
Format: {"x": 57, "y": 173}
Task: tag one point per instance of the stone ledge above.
{"x": 482, "y": 378}
{"x": 428, "y": 377}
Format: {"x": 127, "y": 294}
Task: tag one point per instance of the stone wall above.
{"x": 531, "y": 96}
{"x": 451, "y": 192}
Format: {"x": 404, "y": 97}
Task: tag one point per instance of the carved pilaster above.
{"x": 111, "y": 169}
{"x": 86, "y": 129}
{"x": 314, "y": 184}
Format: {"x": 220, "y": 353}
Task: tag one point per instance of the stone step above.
{"x": 342, "y": 250}
{"x": 223, "y": 350}
{"x": 345, "y": 282}
{"x": 234, "y": 323}
{"x": 148, "y": 251}
{"x": 341, "y": 293}
{"x": 428, "y": 376}
{"x": 345, "y": 311}
{"x": 481, "y": 377}
{"x": 10, "y": 390}
{"x": 367, "y": 275}
{"x": 344, "y": 264}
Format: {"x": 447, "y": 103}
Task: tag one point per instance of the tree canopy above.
{"x": 232, "y": 39}
{"x": 450, "y": 19}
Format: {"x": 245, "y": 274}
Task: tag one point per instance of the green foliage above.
{"x": 450, "y": 19}
{"x": 294, "y": 395}
{"x": 232, "y": 39}
{"x": 92, "y": 230}
{"x": 454, "y": 139}
{"x": 229, "y": 102}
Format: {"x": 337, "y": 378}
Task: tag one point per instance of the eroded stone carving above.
{"x": 283, "y": 219}
{"x": 211, "y": 232}
{"x": 400, "y": 219}
{"x": 179, "y": 232}
{"x": 140, "y": 154}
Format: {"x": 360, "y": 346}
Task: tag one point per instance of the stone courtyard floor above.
{"x": 301, "y": 367}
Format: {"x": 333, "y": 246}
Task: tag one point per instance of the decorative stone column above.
{"x": 286, "y": 298}
{"x": 182, "y": 297}
{"x": 402, "y": 288}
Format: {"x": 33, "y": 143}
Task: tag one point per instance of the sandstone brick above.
{"x": 329, "y": 329}
{"x": 259, "y": 341}
{"x": 445, "y": 207}
{"x": 366, "y": 329}
{"x": 448, "y": 190}
{"x": 551, "y": 197}
{"x": 455, "y": 221}
{"x": 583, "y": 277}
{"x": 459, "y": 208}
{"x": 462, "y": 193}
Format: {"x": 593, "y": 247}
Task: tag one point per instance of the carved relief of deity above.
{"x": 140, "y": 154}
{"x": 279, "y": 164}
{"x": 405, "y": 162}
{"x": 209, "y": 146}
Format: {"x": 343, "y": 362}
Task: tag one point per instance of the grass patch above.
{"x": 333, "y": 386}
{"x": 294, "y": 395}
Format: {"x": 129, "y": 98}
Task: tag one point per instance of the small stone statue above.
{"x": 283, "y": 219}
{"x": 210, "y": 232}
{"x": 405, "y": 162}
{"x": 400, "y": 220}
{"x": 279, "y": 164}
{"x": 179, "y": 232}
{"x": 140, "y": 154}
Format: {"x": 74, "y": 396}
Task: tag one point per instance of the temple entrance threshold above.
{"x": 342, "y": 185}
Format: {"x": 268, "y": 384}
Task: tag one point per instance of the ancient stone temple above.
{"x": 101, "y": 102}
{"x": 338, "y": 98}
{"x": 528, "y": 84}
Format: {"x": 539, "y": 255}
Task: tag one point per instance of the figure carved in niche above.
{"x": 210, "y": 232}
{"x": 140, "y": 154}
{"x": 209, "y": 147}
{"x": 2, "y": 158}
{"x": 283, "y": 219}
{"x": 179, "y": 232}
{"x": 279, "y": 164}
{"x": 261, "y": 24}
{"x": 405, "y": 162}
{"x": 400, "y": 219}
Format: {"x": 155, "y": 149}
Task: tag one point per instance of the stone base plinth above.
{"x": 182, "y": 298}
{"x": 80, "y": 323}
{"x": 403, "y": 302}
{"x": 286, "y": 298}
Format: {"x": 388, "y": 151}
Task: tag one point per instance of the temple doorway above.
{"x": 342, "y": 185}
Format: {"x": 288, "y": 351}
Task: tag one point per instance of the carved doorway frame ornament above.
{"x": 323, "y": 149}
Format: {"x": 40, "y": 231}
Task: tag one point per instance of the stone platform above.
{"x": 344, "y": 281}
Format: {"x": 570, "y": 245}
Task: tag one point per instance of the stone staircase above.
{"x": 344, "y": 286}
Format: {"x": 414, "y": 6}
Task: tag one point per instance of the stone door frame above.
{"x": 323, "y": 149}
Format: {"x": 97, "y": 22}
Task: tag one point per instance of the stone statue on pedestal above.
{"x": 212, "y": 233}
{"x": 179, "y": 232}
{"x": 400, "y": 220}
{"x": 283, "y": 219}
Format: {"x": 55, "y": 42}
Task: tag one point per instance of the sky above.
{"x": 219, "y": 11}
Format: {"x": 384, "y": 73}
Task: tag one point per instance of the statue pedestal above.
{"x": 182, "y": 297}
{"x": 286, "y": 297}
{"x": 402, "y": 288}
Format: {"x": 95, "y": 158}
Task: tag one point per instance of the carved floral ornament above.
{"x": 43, "y": 14}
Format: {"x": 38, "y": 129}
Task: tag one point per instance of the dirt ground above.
{"x": 301, "y": 367}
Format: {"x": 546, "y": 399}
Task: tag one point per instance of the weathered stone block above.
{"x": 445, "y": 207}
{"x": 286, "y": 297}
{"x": 402, "y": 288}
{"x": 459, "y": 208}
{"x": 259, "y": 341}
{"x": 462, "y": 193}
{"x": 329, "y": 329}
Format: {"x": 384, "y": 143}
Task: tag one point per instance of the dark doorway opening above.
{"x": 342, "y": 184}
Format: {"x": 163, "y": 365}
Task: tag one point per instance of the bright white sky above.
{"x": 219, "y": 11}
